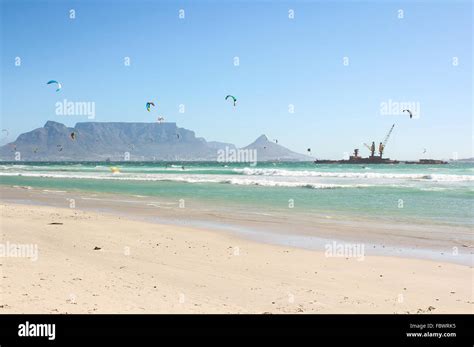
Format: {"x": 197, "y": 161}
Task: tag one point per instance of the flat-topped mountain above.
{"x": 97, "y": 141}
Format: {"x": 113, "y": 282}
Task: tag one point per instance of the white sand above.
{"x": 149, "y": 268}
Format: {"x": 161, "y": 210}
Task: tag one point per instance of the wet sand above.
{"x": 97, "y": 262}
{"x": 314, "y": 231}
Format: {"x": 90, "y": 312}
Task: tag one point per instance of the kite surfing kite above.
{"x": 73, "y": 136}
{"x": 60, "y": 148}
{"x": 233, "y": 98}
{"x": 309, "y": 150}
{"x": 58, "y": 85}
{"x": 160, "y": 120}
{"x": 411, "y": 114}
{"x": 148, "y": 104}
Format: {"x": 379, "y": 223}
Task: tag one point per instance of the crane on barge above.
{"x": 372, "y": 159}
{"x": 384, "y": 143}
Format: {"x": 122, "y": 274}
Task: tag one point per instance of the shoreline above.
{"x": 314, "y": 233}
{"x": 99, "y": 263}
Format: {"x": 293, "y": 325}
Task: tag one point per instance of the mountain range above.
{"x": 116, "y": 141}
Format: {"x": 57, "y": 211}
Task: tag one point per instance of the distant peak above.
{"x": 53, "y": 124}
{"x": 262, "y": 138}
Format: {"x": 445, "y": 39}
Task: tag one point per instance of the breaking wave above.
{"x": 191, "y": 179}
{"x": 363, "y": 175}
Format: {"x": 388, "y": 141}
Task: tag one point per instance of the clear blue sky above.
{"x": 282, "y": 62}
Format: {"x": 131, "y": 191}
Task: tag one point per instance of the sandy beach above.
{"x": 89, "y": 262}
{"x": 276, "y": 169}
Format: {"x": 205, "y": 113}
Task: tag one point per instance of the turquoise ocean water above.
{"x": 441, "y": 194}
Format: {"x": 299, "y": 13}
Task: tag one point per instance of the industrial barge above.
{"x": 378, "y": 159}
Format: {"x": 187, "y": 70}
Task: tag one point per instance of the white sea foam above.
{"x": 191, "y": 179}
{"x": 371, "y": 175}
{"x": 270, "y": 177}
{"x": 268, "y": 183}
{"x": 23, "y": 187}
{"x": 54, "y": 191}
